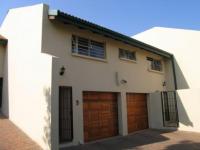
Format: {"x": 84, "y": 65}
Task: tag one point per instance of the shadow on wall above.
{"x": 47, "y": 118}
{"x": 183, "y": 116}
{"x": 180, "y": 78}
{"x": 184, "y": 145}
{"x": 181, "y": 84}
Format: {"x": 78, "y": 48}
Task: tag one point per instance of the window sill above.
{"x": 154, "y": 71}
{"x": 128, "y": 60}
{"x": 89, "y": 57}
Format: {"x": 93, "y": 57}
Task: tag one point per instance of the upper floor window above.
{"x": 87, "y": 47}
{"x": 155, "y": 64}
{"x": 126, "y": 54}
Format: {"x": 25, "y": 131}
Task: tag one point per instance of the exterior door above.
{"x": 65, "y": 114}
{"x": 137, "y": 113}
{"x": 169, "y": 109}
{"x": 1, "y": 89}
{"x": 100, "y": 115}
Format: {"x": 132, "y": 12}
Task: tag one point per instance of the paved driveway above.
{"x": 12, "y": 138}
{"x": 147, "y": 140}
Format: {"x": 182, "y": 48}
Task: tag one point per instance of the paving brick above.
{"x": 146, "y": 140}
{"x": 12, "y": 138}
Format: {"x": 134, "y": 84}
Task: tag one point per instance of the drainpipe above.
{"x": 174, "y": 72}
{"x": 175, "y": 85}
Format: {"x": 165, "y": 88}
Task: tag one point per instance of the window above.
{"x": 126, "y": 54}
{"x": 169, "y": 109}
{"x": 84, "y": 46}
{"x": 155, "y": 64}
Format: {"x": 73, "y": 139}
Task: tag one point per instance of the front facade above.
{"x": 79, "y": 82}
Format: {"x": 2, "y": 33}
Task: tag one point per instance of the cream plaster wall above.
{"x": 184, "y": 44}
{"x": 2, "y": 55}
{"x": 27, "y": 82}
{"x": 37, "y": 49}
{"x": 85, "y": 74}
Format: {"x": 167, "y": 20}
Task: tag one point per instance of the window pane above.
{"x": 127, "y": 54}
{"x": 97, "y": 49}
{"x": 74, "y": 44}
{"x": 156, "y": 65}
{"x": 83, "y": 46}
{"x": 83, "y": 41}
{"x": 120, "y": 53}
{"x": 88, "y": 47}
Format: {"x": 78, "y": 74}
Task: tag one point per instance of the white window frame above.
{"x": 75, "y": 51}
{"x": 151, "y": 60}
{"x": 127, "y": 59}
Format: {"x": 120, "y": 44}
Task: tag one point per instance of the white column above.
{"x": 78, "y": 116}
{"x": 122, "y": 113}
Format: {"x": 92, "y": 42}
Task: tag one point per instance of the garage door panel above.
{"x": 137, "y": 112}
{"x": 99, "y": 95}
{"x": 100, "y": 115}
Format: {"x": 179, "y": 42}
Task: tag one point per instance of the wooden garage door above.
{"x": 137, "y": 112}
{"x": 100, "y": 115}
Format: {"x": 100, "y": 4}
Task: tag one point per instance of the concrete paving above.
{"x": 12, "y": 138}
{"x": 147, "y": 140}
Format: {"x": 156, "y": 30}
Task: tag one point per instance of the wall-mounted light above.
{"x": 123, "y": 81}
{"x": 62, "y": 70}
{"x": 77, "y": 102}
{"x": 164, "y": 83}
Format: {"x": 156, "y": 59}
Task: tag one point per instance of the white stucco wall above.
{"x": 27, "y": 82}
{"x": 2, "y": 55}
{"x": 85, "y": 74}
{"x": 30, "y": 74}
{"x": 184, "y": 44}
{"x": 188, "y": 109}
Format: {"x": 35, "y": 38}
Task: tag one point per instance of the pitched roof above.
{"x": 97, "y": 29}
{"x": 3, "y": 40}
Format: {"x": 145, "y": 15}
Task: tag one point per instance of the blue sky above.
{"x": 125, "y": 16}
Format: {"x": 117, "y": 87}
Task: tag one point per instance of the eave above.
{"x": 83, "y": 24}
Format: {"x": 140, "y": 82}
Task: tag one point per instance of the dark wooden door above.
{"x": 1, "y": 89}
{"x": 100, "y": 115}
{"x": 65, "y": 114}
{"x": 137, "y": 112}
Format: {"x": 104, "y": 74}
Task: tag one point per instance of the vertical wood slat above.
{"x": 137, "y": 113}
{"x": 100, "y": 115}
{"x": 65, "y": 114}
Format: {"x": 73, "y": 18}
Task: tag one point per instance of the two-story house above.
{"x": 67, "y": 81}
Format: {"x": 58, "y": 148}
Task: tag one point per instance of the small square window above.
{"x": 126, "y": 54}
{"x": 155, "y": 64}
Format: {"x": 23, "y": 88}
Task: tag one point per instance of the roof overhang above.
{"x": 83, "y": 24}
{"x": 3, "y": 40}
